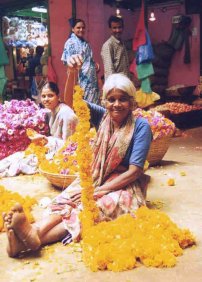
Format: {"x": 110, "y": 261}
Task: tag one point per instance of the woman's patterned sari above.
{"x": 110, "y": 150}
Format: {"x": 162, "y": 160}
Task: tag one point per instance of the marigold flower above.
{"x": 9, "y": 198}
{"x": 171, "y": 182}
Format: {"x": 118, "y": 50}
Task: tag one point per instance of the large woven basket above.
{"x": 158, "y": 149}
{"x": 59, "y": 180}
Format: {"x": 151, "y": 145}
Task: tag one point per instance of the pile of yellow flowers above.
{"x": 150, "y": 238}
{"x": 84, "y": 158}
{"x": 8, "y": 199}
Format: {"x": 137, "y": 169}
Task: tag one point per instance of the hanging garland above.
{"x": 84, "y": 159}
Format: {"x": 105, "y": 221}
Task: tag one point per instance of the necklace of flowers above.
{"x": 90, "y": 212}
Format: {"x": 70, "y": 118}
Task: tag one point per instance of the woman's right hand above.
{"x": 36, "y": 137}
{"x": 40, "y": 140}
{"x": 75, "y": 61}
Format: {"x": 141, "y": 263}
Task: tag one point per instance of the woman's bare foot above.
{"x": 15, "y": 246}
{"x": 26, "y": 233}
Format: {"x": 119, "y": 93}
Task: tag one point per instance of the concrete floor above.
{"x": 181, "y": 202}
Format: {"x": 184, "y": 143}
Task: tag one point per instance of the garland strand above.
{"x": 90, "y": 212}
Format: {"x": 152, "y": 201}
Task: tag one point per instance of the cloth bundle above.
{"x": 144, "y": 54}
{"x": 19, "y": 163}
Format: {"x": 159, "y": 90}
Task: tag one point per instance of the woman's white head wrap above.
{"x": 120, "y": 81}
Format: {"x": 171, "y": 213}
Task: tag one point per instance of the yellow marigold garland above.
{"x": 9, "y": 198}
{"x": 84, "y": 158}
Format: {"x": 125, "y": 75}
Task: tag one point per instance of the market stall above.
{"x": 183, "y": 115}
{"x": 22, "y": 31}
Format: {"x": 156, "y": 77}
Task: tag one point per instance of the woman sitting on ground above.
{"x": 61, "y": 118}
{"x": 62, "y": 123}
{"x": 120, "y": 151}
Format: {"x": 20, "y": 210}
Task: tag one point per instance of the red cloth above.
{"x": 51, "y": 73}
{"x": 133, "y": 67}
{"x": 140, "y": 33}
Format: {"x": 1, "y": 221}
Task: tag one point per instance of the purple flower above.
{"x": 64, "y": 171}
{"x": 15, "y": 117}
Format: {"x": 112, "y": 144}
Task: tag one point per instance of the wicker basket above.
{"x": 158, "y": 149}
{"x": 59, "y": 180}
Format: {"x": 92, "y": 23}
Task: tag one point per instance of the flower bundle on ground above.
{"x": 9, "y": 198}
{"x": 15, "y": 117}
{"x": 150, "y": 238}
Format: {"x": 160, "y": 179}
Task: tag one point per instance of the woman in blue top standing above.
{"x": 77, "y": 45}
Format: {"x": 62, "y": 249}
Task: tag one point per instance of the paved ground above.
{"x": 181, "y": 202}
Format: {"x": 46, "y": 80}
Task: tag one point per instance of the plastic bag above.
{"x": 145, "y": 52}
